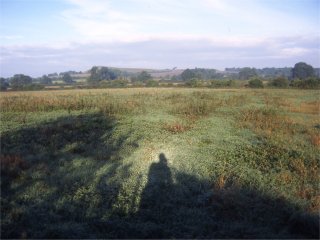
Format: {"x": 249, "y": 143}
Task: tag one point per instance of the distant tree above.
{"x": 143, "y": 76}
{"x": 206, "y": 74}
{"x": 274, "y": 72}
{"x": 247, "y": 73}
{"x": 45, "y": 80}
{"x": 187, "y": 75}
{"x": 302, "y": 71}
{"x": 53, "y": 75}
{"x": 3, "y": 84}
{"x": 20, "y": 80}
{"x": 279, "y": 82}
{"x": 70, "y": 72}
{"x": 98, "y": 74}
{"x": 67, "y": 78}
{"x": 255, "y": 83}
{"x": 174, "y": 78}
{"x": 94, "y": 75}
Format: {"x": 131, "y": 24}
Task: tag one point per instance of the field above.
{"x": 160, "y": 163}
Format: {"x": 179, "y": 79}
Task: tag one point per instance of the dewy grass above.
{"x": 160, "y": 163}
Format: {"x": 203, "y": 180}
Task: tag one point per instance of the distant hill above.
{"x": 156, "y": 73}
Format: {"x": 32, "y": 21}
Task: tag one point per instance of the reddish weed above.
{"x": 266, "y": 119}
{"x": 176, "y": 127}
{"x": 284, "y": 177}
{"x": 220, "y": 183}
{"x": 315, "y": 139}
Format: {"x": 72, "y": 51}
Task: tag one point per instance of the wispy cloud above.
{"x": 99, "y": 20}
{"x": 164, "y": 33}
{"x": 159, "y": 53}
{"x": 10, "y": 37}
{"x": 295, "y": 51}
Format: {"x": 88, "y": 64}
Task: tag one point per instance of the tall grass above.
{"x": 109, "y": 105}
{"x": 237, "y": 163}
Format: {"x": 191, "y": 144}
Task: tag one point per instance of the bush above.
{"x": 256, "y": 83}
{"x": 280, "y": 82}
{"x": 152, "y": 83}
{"x": 194, "y": 83}
{"x": 309, "y": 83}
{"x": 29, "y": 87}
{"x": 18, "y": 81}
{"x": 33, "y": 87}
{"x": 222, "y": 83}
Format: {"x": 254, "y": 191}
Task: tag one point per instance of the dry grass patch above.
{"x": 315, "y": 139}
{"x": 284, "y": 177}
{"x": 278, "y": 102}
{"x": 268, "y": 120}
{"x": 177, "y": 127}
{"x": 312, "y": 107}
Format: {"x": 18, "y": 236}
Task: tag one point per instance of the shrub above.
{"x": 255, "y": 83}
{"x": 280, "y": 82}
{"x": 309, "y": 83}
{"x": 193, "y": 83}
{"x": 152, "y": 83}
{"x": 33, "y": 87}
{"x": 119, "y": 83}
{"x": 222, "y": 83}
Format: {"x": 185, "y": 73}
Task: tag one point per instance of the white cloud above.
{"x": 98, "y": 20}
{"x": 254, "y": 18}
{"x": 239, "y": 22}
{"x": 294, "y": 51}
{"x": 160, "y": 53}
{"x": 11, "y": 37}
{"x": 222, "y": 7}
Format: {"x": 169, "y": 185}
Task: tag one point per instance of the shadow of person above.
{"x": 155, "y": 205}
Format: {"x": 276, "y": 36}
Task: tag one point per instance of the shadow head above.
{"x": 163, "y": 159}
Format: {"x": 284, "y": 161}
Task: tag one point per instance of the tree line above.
{"x": 25, "y": 82}
{"x": 302, "y": 75}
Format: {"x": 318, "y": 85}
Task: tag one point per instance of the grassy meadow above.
{"x": 160, "y": 163}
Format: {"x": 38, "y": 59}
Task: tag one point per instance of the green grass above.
{"x": 160, "y": 163}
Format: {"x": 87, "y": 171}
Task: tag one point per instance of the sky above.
{"x": 44, "y": 36}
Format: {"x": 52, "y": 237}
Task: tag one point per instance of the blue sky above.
{"x": 44, "y": 36}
